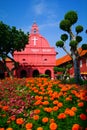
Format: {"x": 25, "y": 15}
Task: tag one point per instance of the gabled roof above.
{"x": 63, "y": 60}
{"x": 67, "y": 58}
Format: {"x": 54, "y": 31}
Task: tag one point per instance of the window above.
{"x": 23, "y": 59}
{"x": 45, "y": 59}
{"x": 80, "y": 63}
{"x": 35, "y": 31}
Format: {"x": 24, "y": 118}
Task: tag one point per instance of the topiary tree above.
{"x": 64, "y": 70}
{"x": 70, "y": 19}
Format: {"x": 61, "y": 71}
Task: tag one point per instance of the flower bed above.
{"x": 42, "y": 104}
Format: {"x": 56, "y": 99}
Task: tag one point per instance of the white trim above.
{"x": 80, "y": 63}
{"x": 86, "y": 62}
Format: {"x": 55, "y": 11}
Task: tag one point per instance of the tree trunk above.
{"x": 7, "y": 69}
{"x": 76, "y": 69}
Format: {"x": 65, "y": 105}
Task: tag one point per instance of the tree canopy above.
{"x": 11, "y": 39}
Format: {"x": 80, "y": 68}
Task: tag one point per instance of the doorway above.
{"x": 48, "y": 72}
{"x": 35, "y": 73}
{"x": 23, "y": 74}
{"x": 2, "y": 74}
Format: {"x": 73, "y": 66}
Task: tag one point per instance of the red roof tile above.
{"x": 67, "y": 58}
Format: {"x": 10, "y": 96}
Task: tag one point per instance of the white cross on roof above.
{"x": 34, "y": 39}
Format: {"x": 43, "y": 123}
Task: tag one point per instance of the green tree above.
{"x": 11, "y": 40}
{"x": 66, "y": 24}
{"x": 64, "y": 70}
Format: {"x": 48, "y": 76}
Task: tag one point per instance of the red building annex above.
{"x": 37, "y": 57}
{"x": 63, "y": 61}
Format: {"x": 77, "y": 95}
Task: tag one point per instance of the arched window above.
{"x": 35, "y": 73}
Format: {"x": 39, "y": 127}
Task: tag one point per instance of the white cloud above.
{"x": 39, "y": 7}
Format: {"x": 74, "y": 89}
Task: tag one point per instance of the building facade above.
{"x": 63, "y": 61}
{"x": 37, "y": 58}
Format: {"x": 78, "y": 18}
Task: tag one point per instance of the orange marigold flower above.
{"x": 28, "y": 129}
{"x": 38, "y": 102}
{"x": 55, "y": 102}
{"x": 74, "y": 109}
{"x": 45, "y": 103}
{"x": 80, "y": 104}
{"x": 28, "y": 125}
{"x": 5, "y": 108}
{"x": 4, "y": 115}
{"x": 55, "y": 108}
{"x": 36, "y": 111}
{"x": 68, "y": 99}
{"x": 83, "y": 116}
{"x": 61, "y": 116}
{"x": 45, "y": 119}
{"x": 19, "y": 121}
{"x": 36, "y": 117}
{"x": 71, "y": 113}
{"x": 45, "y": 98}
{"x": 53, "y": 125}
{"x": 60, "y": 104}
{"x": 9, "y": 128}
{"x": 52, "y": 120}
{"x": 75, "y": 127}
{"x": 40, "y": 128}
{"x": 48, "y": 109}
{"x": 67, "y": 111}
{"x": 2, "y": 128}
{"x": 13, "y": 117}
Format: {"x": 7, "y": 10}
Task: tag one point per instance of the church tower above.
{"x": 34, "y": 28}
{"x": 37, "y": 58}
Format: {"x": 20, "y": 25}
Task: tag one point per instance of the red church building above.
{"x": 37, "y": 58}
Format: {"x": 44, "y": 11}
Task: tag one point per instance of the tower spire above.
{"x": 34, "y": 29}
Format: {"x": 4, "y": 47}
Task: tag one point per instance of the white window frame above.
{"x": 80, "y": 63}
{"x": 86, "y": 62}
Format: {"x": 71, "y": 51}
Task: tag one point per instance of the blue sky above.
{"x": 46, "y": 13}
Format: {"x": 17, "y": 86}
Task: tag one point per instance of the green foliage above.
{"x": 79, "y": 29}
{"x": 64, "y": 37}
{"x": 78, "y": 39}
{"x": 71, "y": 16}
{"x": 68, "y": 66}
{"x": 55, "y": 69}
{"x": 73, "y": 43}
{"x": 5, "y": 32}
{"x": 84, "y": 47}
{"x": 43, "y": 75}
{"x": 73, "y": 81}
{"x": 60, "y": 43}
{"x": 65, "y": 25}
{"x": 58, "y": 69}
{"x": 11, "y": 39}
